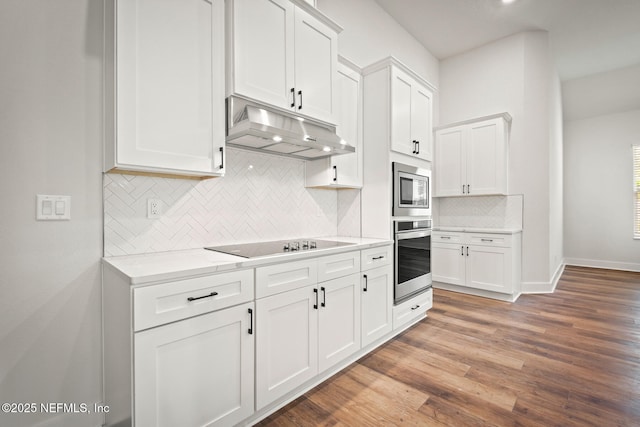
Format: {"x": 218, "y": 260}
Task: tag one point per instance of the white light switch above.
{"x": 53, "y": 207}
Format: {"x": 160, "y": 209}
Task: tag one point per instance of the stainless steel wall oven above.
{"x": 412, "y": 258}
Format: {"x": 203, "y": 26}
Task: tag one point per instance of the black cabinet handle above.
{"x": 315, "y": 291}
{"x": 250, "y": 322}
{"x": 462, "y": 250}
{"x": 324, "y": 297}
{"x": 335, "y": 173}
{"x": 293, "y": 97}
{"x": 467, "y": 250}
{"x": 300, "y": 94}
{"x": 468, "y": 188}
{"x": 366, "y": 282}
{"x": 416, "y": 307}
{"x": 221, "y": 158}
{"x": 212, "y": 294}
{"x": 377, "y": 257}
{"x": 414, "y": 146}
{"x": 417, "y": 147}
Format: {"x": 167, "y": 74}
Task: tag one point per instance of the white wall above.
{"x": 371, "y": 34}
{"x": 602, "y": 115}
{"x": 599, "y": 192}
{"x": 50, "y": 143}
{"x": 515, "y": 75}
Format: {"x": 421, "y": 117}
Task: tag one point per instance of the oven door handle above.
{"x": 404, "y": 235}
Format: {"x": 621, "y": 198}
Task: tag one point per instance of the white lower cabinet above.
{"x": 339, "y": 320}
{"x": 412, "y": 309}
{"x": 488, "y": 262}
{"x": 377, "y": 303}
{"x": 286, "y": 343}
{"x": 179, "y": 370}
{"x": 303, "y": 332}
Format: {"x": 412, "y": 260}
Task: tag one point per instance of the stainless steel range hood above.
{"x": 253, "y": 126}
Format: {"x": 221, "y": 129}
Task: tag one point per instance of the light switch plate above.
{"x": 53, "y": 208}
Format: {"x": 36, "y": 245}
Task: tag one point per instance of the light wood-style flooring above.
{"x": 571, "y": 358}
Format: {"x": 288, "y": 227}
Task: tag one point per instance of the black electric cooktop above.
{"x": 254, "y": 250}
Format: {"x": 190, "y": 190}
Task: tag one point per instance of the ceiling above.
{"x": 587, "y": 36}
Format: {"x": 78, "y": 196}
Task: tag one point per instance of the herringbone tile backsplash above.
{"x": 261, "y": 197}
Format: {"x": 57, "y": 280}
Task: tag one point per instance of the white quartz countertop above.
{"x": 150, "y": 268}
{"x": 478, "y": 230}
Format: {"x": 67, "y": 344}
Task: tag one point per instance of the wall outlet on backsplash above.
{"x": 154, "y": 208}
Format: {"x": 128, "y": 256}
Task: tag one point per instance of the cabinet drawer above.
{"x": 332, "y": 267}
{"x": 158, "y": 304}
{"x": 447, "y": 237}
{"x": 502, "y": 240}
{"x": 277, "y": 278}
{"x": 376, "y": 257}
{"x": 412, "y": 309}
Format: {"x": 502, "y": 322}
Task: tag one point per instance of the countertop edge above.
{"x": 122, "y": 265}
{"x": 478, "y": 230}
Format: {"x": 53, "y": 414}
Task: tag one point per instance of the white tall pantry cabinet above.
{"x": 164, "y": 90}
{"x": 397, "y": 127}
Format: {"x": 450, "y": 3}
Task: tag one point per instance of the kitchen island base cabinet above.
{"x": 179, "y": 369}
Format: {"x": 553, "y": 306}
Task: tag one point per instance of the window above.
{"x": 636, "y": 188}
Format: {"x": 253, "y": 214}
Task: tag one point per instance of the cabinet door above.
{"x": 421, "y": 105}
{"x": 448, "y": 263}
{"x": 489, "y": 268}
{"x": 348, "y": 170}
{"x": 339, "y": 320}
{"x": 316, "y": 56}
{"x": 286, "y": 343}
{"x": 486, "y": 160}
{"x": 195, "y": 372}
{"x": 401, "y": 93}
{"x": 345, "y": 170}
{"x": 449, "y": 170}
{"x": 377, "y": 303}
{"x": 263, "y": 49}
{"x": 169, "y": 86}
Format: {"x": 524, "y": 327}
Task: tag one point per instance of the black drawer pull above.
{"x": 366, "y": 283}
{"x": 416, "y": 307}
{"x": 377, "y": 257}
{"x": 486, "y": 240}
{"x": 212, "y": 294}
{"x": 250, "y": 331}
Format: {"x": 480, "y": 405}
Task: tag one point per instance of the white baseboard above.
{"x": 544, "y": 287}
{"x": 610, "y": 265}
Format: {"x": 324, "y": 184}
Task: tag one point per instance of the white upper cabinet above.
{"x": 164, "y": 87}
{"x": 411, "y": 115}
{"x": 283, "y": 54}
{"x": 471, "y": 158}
{"x": 345, "y": 170}
{"x": 404, "y": 100}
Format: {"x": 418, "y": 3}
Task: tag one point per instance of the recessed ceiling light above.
{"x": 507, "y": 1}
{"x": 326, "y": 149}
{"x": 277, "y": 138}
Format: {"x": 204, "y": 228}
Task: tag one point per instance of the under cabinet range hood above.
{"x": 258, "y": 127}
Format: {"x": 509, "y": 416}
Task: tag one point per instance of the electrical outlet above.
{"x": 154, "y": 208}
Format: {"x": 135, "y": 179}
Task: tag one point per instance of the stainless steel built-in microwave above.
{"x": 411, "y": 190}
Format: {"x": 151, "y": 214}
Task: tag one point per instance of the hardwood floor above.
{"x": 571, "y": 358}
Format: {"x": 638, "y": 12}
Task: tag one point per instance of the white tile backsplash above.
{"x": 261, "y": 197}
{"x": 480, "y": 211}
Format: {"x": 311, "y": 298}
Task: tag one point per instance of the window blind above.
{"x": 636, "y": 187}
